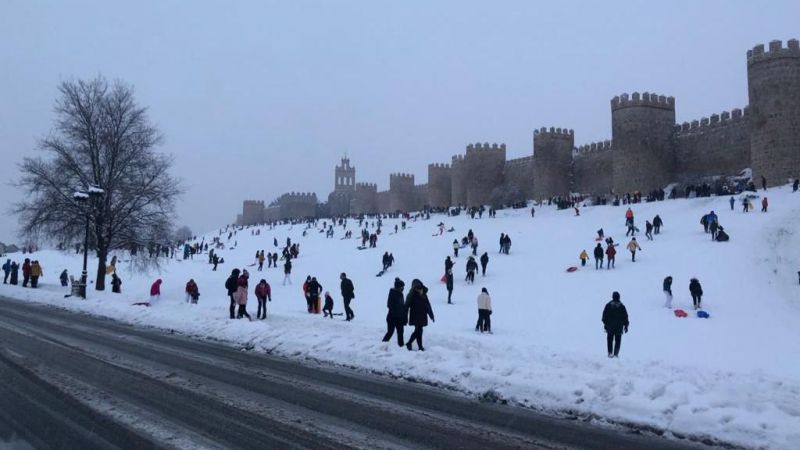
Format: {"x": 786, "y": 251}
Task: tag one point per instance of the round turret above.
{"x": 642, "y": 128}
{"x": 773, "y": 79}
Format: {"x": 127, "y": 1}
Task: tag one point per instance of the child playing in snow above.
{"x": 583, "y": 257}
{"x": 327, "y": 310}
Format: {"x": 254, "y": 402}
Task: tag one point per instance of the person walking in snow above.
{"x": 241, "y": 295}
{"x": 583, "y": 257}
{"x": 385, "y": 261}
{"x": 657, "y": 224}
{"x": 611, "y": 253}
{"x": 287, "y": 272}
{"x": 230, "y": 285}
{"x": 484, "y": 263}
{"x": 449, "y": 284}
{"x": 64, "y": 277}
{"x": 116, "y": 283}
{"x": 598, "y": 256}
{"x": 472, "y": 267}
{"x": 629, "y": 218}
{"x": 615, "y": 322}
{"x": 764, "y": 204}
{"x": 713, "y": 228}
{"x": 696, "y": 292}
{"x": 6, "y": 271}
{"x": 763, "y": 182}
{"x": 484, "y": 312}
{"x": 732, "y": 202}
{"x": 419, "y": 309}
{"x": 261, "y": 259}
{"x": 632, "y": 247}
{"x": 455, "y": 248}
{"x": 668, "y": 292}
{"x": 263, "y": 294}
{"x": 155, "y": 291}
{"x": 795, "y": 185}
{"x": 396, "y": 315}
{"x": 648, "y": 230}
{"x": 192, "y": 291}
{"x": 348, "y": 294}
{"x": 474, "y": 245}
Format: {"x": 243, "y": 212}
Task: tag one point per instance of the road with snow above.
{"x": 75, "y": 381}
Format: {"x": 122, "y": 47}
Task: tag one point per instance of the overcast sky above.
{"x": 259, "y": 98}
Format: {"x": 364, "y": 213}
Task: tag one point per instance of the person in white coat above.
{"x": 484, "y": 312}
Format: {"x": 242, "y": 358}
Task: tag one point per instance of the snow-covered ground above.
{"x": 734, "y": 377}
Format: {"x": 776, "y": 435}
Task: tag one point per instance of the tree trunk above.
{"x": 100, "y": 282}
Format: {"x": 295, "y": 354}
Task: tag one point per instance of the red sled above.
{"x": 598, "y": 239}
{"x": 572, "y": 269}
{"x": 681, "y": 313}
{"x": 444, "y": 278}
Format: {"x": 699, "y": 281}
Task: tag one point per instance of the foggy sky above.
{"x": 260, "y": 98}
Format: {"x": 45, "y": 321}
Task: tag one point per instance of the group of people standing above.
{"x": 31, "y": 272}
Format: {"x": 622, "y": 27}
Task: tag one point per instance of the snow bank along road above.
{"x": 74, "y": 381}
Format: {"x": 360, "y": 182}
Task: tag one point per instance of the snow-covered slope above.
{"x": 734, "y": 377}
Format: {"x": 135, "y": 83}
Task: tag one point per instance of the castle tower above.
{"x": 345, "y": 177}
{"x": 439, "y": 185}
{"x": 642, "y": 128}
{"x": 484, "y": 168}
{"x": 773, "y": 80}
{"x": 458, "y": 182}
{"x": 401, "y": 192}
{"x": 552, "y": 157}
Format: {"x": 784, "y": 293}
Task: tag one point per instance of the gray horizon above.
{"x": 260, "y": 98}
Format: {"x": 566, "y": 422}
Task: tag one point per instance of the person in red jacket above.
{"x": 611, "y": 252}
{"x": 26, "y": 272}
{"x": 155, "y": 291}
{"x": 263, "y": 294}
{"x": 192, "y": 292}
{"x": 764, "y": 204}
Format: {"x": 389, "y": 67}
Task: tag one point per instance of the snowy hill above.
{"x": 734, "y": 377}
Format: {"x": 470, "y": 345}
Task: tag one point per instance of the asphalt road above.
{"x": 72, "y": 381}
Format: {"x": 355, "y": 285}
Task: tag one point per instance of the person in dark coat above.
{"x": 26, "y": 272}
{"x": 697, "y": 293}
{"x": 287, "y": 271}
{"x": 396, "y": 317}
{"x": 615, "y": 321}
{"x": 484, "y": 263}
{"x": 231, "y": 285}
{"x": 598, "y": 256}
{"x": 348, "y": 294}
{"x": 449, "y": 283}
{"x": 116, "y": 282}
{"x": 419, "y": 309}
{"x": 472, "y": 267}
{"x": 448, "y": 264}
{"x": 6, "y": 271}
{"x": 327, "y": 308}
{"x": 312, "y": 295}
{"x": 14, "y": 279}
{"x": 668, "y": 292}
{"x": 657, "y": 224}
{"x": 64, "y": 278}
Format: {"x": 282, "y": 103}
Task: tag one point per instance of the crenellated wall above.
{"x": 440, "y": 187}
{"x": 298, "y": 205}
{"x": 716, "y": 145}
{"x": 592, "y": 169}
{"x": 484, "y": 166}
{"x": 365, "y": 199}
{"x": 458, "y": 178}
{"x": 519, "y": 177}
{"x": 252, "y": 212}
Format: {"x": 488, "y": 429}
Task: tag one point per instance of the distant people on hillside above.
{"x": 484, "y": 263}
{"x": 611, "y": 253}
{"x": 287, "y": 272}
{"x": 632, "y": 247}
{"x": 615, "y": 321}
{"x": 471, "y": 268}
{"x": 732, "y": 201}
{"x": 648, "y": 230}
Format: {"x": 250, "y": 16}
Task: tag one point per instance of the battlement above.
{"x": 485, "y": 147}
{"x": 439, "y": 166}
{"x": 367, "y": 187}
{"x": 401, "y": 176}
{"x": 716, "y": 120}
{"x": 774, "y": 51}
{"x": 251, "y": 203}
{"x": 299, "y": 196}
{"x": 601, "y": 146}
{"x": 645, "y": 99}
{"x": 457, "y": 159}
{"x": 553, "y": 132}
{"x": 524, "y": 161}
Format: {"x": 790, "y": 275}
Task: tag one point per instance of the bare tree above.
{"x": 102, "y": 139}
{"x": 183, "y": 234}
